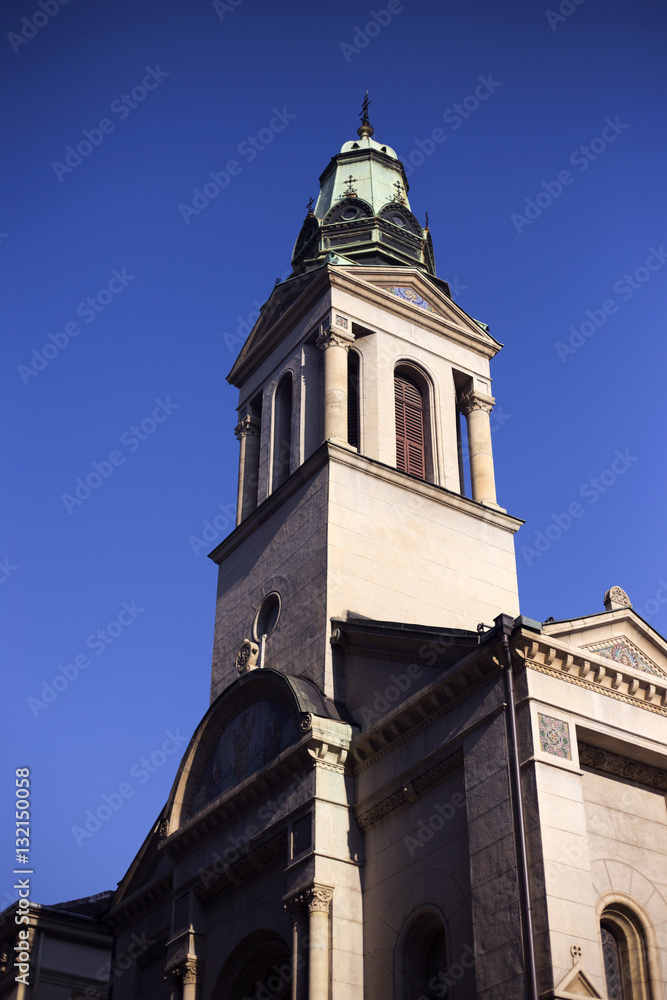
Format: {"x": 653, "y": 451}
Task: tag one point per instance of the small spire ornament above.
{"x": 365, "y": 129}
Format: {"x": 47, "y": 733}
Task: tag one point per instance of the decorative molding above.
{"x": 410, "y": 792}
{"x": 328, "y": 337}
{"x": 474, "y": 400}
{"x": 621, "y": 650}
{"x": 582, "y": 670}
{"x": 247, "y": 425}
{"x": 622, "y": 767}
{"x": 314, "y": 898}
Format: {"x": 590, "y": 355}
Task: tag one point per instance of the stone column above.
{"x": 247, "y": 431}
{"x": 318, "y": 900}
{"x": 335, "y": 345}
{"x": 477, "y": 407}
{"x": 297, "y": 910}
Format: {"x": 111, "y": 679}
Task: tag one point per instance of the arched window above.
{"x": 422, "y": 959}
{"x": 411, "y": 426}
{"x": 353, "y": 435}
{"x": 282, "y": 431}
{"x": 624, "y": 954}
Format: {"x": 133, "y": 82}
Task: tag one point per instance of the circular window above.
{"x": 350, "y": 213}
{"x": 267, "y": 616}
{"x": 398, "y": 220}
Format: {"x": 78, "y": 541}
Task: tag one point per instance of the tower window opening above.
{"x": 353, "y": 437}
{"x": 282, "y": 431}
{"x": 410, "y": 437}
{"x": 463, "y": 452}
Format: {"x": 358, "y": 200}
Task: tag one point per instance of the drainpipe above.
{"x": 506, "y": 623}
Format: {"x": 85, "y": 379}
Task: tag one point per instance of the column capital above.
{"x": 474, "y": 400}
{"x": 187, "y": 972}
{"x": 314, "y": 898}
{"x": 246, "y": 425}
{"x": 328, "y": 337}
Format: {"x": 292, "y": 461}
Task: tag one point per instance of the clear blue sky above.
{"x": 200, "y": 80}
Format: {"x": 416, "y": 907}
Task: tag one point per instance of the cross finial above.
{"x": 365, "y": 129}
{"x": 426, "y": 226}
{"x": 310, "y": 206}
{"x": 399, "y": 192}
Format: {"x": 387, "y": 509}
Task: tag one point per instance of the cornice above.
{"x": 367, "y": 815}
{"x": 145, "y": 899}
{"x": 344, "y": 456}
{"x": 595, "y": 673}
{"x": 431, "y": 703}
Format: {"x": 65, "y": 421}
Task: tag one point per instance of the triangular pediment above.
{"x": 620, "y": 635}
{"x": 413, "y": 292}
{"x": 575, "y": 984}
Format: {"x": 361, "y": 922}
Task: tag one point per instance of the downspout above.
{"x": 515, "y": 766}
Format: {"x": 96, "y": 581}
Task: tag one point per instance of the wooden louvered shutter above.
{"x": 409, "y": 427}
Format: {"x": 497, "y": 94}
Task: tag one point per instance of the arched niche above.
{"x": 253, "y": 722}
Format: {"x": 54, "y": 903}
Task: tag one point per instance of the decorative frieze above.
{"x": 622, "y": 767}
{"x": 410, "y": 792}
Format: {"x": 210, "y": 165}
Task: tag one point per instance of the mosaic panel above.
{"x": 554, "y": 737}
{"x": 625, "y": 652}
{"x": 341, "y": 321}
{"x": 409, "y": 295}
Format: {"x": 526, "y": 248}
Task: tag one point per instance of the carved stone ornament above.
{"x": 186, "y": 972}
{"x": 576, "y": 953}
{"x": 164, "y": 829}
{"x": 246, "y": 425}
{"x": 327, "y": 337}
{"x": 306, "y": 722}
{"x": 474, "y": 400}
{"x": 615, "y": 598}
{"x": 317, "y": 898}
{"x": 247, "y": 656}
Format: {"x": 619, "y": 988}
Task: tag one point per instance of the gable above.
{"x": 619, "y": 635}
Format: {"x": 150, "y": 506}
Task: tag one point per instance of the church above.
{"x": 403, "y": 788}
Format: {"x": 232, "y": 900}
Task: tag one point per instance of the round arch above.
{"x": 260, "y": 966}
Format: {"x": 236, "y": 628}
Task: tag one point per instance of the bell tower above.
{"x": 356, "y": 386}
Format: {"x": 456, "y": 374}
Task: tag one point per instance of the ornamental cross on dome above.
{"x": 399, "y": 196}
{"x": 350, "y": 191}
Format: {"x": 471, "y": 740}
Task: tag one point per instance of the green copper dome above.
{"x": 362, "y": 213}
